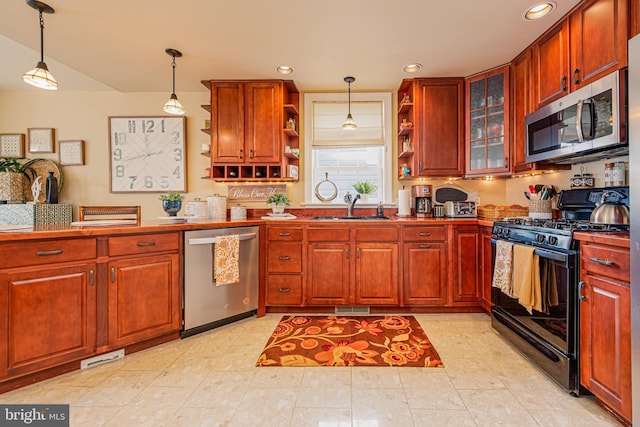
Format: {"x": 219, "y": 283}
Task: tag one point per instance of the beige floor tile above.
{"x": 496, "y": 407}
{"x": 274, "y": 376}
{"x": 202, "y": 417}
{"x": 154, "y": 359}
{"x": 92, "y": 416}
{"x": 265, "y": 407}
{"x": 220, "y": 390}
{"x": 365, "y": 377}
{"x": 43, "y": 393}
{"x": 240, "y": 358}
{"x": 325, "y": 417}
{"x": 430, "y": 391}
{"x": 187, "y": 371}
{"x": 380, "y": 407}
{"x": 442, "y": 418}
{"x": 564, "y": 418}
{"x": 117, "y": 390}
{"x": 472, "y": 374}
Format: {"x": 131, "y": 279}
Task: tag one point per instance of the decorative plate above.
{"x": 42, "y": 167}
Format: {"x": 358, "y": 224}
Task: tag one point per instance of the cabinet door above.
{"x": 440, "y": 145}
{"x": 634, "y": 18}
{"x": 49, "y": 319}
{"x": 263, "y": 124}
{"x": 599, "y": 34}
{"x": 328, "y": 274}
{"x": 376, "y": 273}
{"x": 551, "y": 65}
{"x": 144, "y": 299}
{"x": 227, "y": 122}
{"x": 425, "y": 273}
{"x": 521, "y": 105}
{"x": 605, "y": 342}
{"x": 487, "y": 267}
{"x": 466, "y": 264}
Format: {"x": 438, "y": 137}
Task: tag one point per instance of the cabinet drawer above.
{"x": 608, "y": 261}
{"x": 328, "y": 234}
{"x": 143, "y": 243}
{"x": 424, "y": 233}
{"x": 46, "y": 252}
{"x": 284, "y": 289}
{"x": 284, "y": 233}
{"x": 377, "y": 234}
{"x": 284, "y": 257}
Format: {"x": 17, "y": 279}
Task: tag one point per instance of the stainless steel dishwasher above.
{"x": 205, "y": 305}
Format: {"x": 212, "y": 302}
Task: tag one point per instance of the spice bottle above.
{"x": 380, "y": 210}
{"x": 618, "y": 175}
{"x": 608, "y": 174}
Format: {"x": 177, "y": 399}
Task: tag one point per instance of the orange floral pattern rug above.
{"x": 349, "y": 341}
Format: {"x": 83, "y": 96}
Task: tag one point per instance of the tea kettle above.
{"x": 610, "y": 210}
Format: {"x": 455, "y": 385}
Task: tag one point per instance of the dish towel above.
{"x": 526, "y": 277}
{"x": 502, "y": 272}
{"x": 226, "y": 253}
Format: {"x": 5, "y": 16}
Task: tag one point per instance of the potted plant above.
{"x": 13, "y": 179}
{"x": 277, "y": 202}
{"x": 172, "y": 202}
{"x": 364, "y": 188}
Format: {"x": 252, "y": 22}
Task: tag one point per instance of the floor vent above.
{"x": 102, "y": 359}
{"x": 353, "y": 310}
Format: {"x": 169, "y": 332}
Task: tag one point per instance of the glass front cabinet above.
{"x": 487, "y": 123}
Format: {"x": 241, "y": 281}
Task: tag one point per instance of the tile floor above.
{"x": 210, "y": 380}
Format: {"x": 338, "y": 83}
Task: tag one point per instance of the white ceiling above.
{"x": 119, "y": 44}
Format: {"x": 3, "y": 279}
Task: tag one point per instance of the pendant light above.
{"x": 349, "y": 124}
{"x": 40, "y": 75}
{"x": 173, "y": 106}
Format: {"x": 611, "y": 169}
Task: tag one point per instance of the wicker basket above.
{"x": 11, "y": 186}
{"x": 499, "y": 212}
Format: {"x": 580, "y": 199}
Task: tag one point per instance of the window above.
{"x": 346, "y": 156}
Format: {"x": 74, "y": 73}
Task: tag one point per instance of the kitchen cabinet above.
{"x": 48, "y": 297}
{"x": 435, "y": 109}
{"x": 605, "y": 321}
{"x": 590, "y": 43}
{"x": 486, "y": 267}
{"x": 144, "y": 287}
{"x": 284, "y": 266}
{"x": 352, "y": 267}
{"x": 466, "y": 272}
{"x": 634, "y": 18}
{"x": 424, "y": 261}
{"x": 252, "y": 124}
{"x": 487, "y": 123}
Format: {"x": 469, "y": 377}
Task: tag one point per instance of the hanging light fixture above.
{"x": 349, "y": 123}
{"x": 40, "y": 75}
{"x": 173, "y": 106}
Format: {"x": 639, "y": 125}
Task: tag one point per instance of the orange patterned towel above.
{"x": 503, "y": 271}
{"x": 225, "y": 260}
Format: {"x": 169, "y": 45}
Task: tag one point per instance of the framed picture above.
{"x": 71, "y": 152}
{"x": 12, "y": 145}
{"x": 147, "y": 154}
{"x": 41, "y": 140}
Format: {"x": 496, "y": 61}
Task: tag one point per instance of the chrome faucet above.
{"x": 348, "y": 198}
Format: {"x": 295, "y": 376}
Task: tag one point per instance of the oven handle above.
{"x": 556, "y": 256}
{"x": 212, "y": 240}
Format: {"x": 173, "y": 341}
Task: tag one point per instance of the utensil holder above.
{"x": 540, "y": 209}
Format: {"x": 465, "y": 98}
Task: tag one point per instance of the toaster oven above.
{"x": 460, "y": 209}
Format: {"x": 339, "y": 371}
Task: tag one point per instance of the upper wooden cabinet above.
{"x": 634, "y": 20}
{"x": 251, "y": 124}
{"x": 435, "y": 109}
{"x": 487, "y": 123}
{"x": 588, "y": 44}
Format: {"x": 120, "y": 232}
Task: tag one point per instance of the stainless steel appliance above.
{"x": 422, "y": 195}
{"x": 206, "y": 305}
{"x": 584, "y": 125}
{"x": 460, "y": 209}
{"x": 549, "y": 338}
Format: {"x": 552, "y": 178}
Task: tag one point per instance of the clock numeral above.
{"x": 120, "y": 138}
{"x": 177, "y": 172}
{"x": 117, "y": 154}
{"x": 120, "y": 171}
{"x": 148, "y": 126}
{"x": 175, "y": 137}
{"x": 162, "y": 126}
{"x": 178, "y": 154}
{"x": 132, "y": 126}
{"x": 164, "y": 181}
{"x": 132, "y": 181}
{"x": 148, "y": 182}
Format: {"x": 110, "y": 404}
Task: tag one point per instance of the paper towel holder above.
{"x": 403, "y": 204}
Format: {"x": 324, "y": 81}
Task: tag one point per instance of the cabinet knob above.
{"x": 424, "y": 246}
{"x": 284, "y": 258}
{"x": 602, "y": 261}
{"x": 283, "y": 234}
{"x": 91, "y": 277}
{"x": 284, "y": 290}
{"x": 576, "y": 75}
{"x": 113, "y": 274}
{"x": 45, "y": 253}
{"x": 240, "y": 154}
{"x": 580, "y": 294}
{"x": 424, "y": 234}
{"x": 145, "y": 244}
{"x": 563, "y": 83}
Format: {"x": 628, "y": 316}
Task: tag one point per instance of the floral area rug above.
{"x": 349, "y": 341}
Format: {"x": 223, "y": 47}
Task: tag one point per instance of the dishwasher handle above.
{"x": 212, "y": 240}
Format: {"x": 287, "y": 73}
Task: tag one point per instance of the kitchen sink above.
{"x": 349, "y": 218}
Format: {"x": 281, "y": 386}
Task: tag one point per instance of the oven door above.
{"x": 558, "y": 326}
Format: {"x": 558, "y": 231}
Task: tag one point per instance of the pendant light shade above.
{"x": 173, "y": 106}
{"x": 40, "y": 75}
{"x": 349, "y": 123}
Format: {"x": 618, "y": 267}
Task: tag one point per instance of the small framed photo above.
{"x": 12, "y": 145}
{"x": 41, "y": 140}
{"x": 71, "y": 152}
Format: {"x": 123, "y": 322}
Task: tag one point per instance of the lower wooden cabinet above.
{"x": 466, "y": 272}
{"x": 605, "y": 322}
{"x": 49, "y": 317}
{"x": 486, "y": 267}
{"x": 284, "y": 265}
{"x": 144, "y": 299}
{"x": 376, "y": 280}
{"x": 328, "y": 273}
{"x": 424, "y": 262}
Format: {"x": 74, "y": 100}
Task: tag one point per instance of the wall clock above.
{"x": 147, "y": 154}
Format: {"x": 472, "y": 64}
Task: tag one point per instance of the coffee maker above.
{"x": 423, "y": 200}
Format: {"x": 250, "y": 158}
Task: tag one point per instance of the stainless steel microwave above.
{"x": 585, "y": 125}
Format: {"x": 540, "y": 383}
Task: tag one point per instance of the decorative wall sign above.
{"x": 254, "y": 193}
{"x": 12, "y": 145}
{"x": 41, "y": 140}
{"x": 71, "y": 152}
{"x": 147, "y": 154}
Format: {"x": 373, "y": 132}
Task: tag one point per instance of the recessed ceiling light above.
{"x": 538, "y": 11}
{"x": 284, "y": 69}
{"x": 412, "y": 68}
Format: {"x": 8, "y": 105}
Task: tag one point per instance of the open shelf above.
{"x": 290, "y": 109}
{"x": 290, "y": 132}
{"x": 405, "y": 107}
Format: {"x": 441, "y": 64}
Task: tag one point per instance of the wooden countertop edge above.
{"x": 613, "y": 238}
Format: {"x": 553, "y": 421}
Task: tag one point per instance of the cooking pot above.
{"x": 610, "y": 210}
